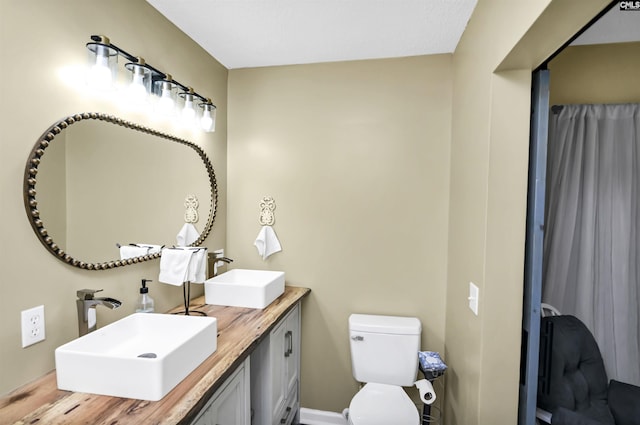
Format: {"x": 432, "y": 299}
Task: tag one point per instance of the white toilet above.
{"x": 384, "y": 356}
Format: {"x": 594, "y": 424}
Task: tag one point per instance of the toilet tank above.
{"x": 384, "y": 349}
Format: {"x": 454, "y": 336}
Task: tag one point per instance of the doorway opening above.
{"x": 553, "y": 83}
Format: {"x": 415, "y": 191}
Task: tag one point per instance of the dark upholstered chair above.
{"x": 573, "y": 383}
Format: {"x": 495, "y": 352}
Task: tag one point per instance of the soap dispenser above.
{"x": 145, "y": 302}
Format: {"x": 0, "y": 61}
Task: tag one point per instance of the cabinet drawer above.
{"x": 290, "y": 408}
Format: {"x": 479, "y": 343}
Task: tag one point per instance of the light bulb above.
{"x": 188, "y": 112}
{"x": 166, "y": 104}
{"x": 100, "y": 74}
{"x": 208, "y": 120}
{"x": 137, "y": 89}
{"x": 137, "y": 92}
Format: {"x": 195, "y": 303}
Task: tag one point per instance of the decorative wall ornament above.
{"x": 191, "y": 212}
{"x": 267, "y": 206}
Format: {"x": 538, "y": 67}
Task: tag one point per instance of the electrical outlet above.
{"x": 32, "y": 326}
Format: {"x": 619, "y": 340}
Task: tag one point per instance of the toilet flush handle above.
{"x": 357, "y": 338}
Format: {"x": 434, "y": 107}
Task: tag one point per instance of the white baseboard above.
{"x": 320, "y": 417}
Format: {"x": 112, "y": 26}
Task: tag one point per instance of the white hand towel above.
{"x": 132, "y": 251}
{"x": 174, "y": 266}
{"x": 201, "y": 268}
{"x": 187, "y": 235}
{"x": 198, "y": 265}
{"x": 197, "y": 269}
{"x": 267, "y": 242}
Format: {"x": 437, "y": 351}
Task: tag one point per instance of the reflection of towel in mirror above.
{"x": 138, "y": 250}
{"x": 187, "y": 235}
{"x": 153, "y": 249}
{"x": 132, "y": 251}
{"x": 267, "y": 242}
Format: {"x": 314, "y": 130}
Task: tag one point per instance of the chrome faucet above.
{"x": 87, "y": 303}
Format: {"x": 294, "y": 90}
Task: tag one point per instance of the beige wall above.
{"x": 37, "y": 40}
{"x": 356, "y": 156}
{"x": 606, "y": 73}
{"x": 489, "y": 154}
{"x": 472, "y": 176}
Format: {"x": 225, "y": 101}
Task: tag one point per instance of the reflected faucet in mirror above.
{"x": 86, "y": 304}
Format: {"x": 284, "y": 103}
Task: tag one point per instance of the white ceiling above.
{"x": 255, "y": 33}
{"x": 616, "y": 26}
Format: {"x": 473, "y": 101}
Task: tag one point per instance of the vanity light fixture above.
{"x": 147, "y": 82}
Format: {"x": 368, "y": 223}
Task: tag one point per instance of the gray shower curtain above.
{"x": 592, "y": 227}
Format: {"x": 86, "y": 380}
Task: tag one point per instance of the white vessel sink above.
{"x": 141, "y": 356}
{"x": 244, "y": 288}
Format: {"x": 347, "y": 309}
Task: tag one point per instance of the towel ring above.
{"x": 191, "y": 204}
{"x": 267, "y": 206}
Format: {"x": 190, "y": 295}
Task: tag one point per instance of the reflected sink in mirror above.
{"x": 142, "y": 356}
{"x": 244, "y": 288}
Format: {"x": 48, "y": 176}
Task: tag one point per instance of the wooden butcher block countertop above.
{"x": 239, "y": 332}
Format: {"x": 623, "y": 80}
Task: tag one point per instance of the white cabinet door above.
{"x": 230, "y": 405}
{"x": 285, "y": 361}
{"x": 278, "y": 347}
{"x": 275, "y": 366}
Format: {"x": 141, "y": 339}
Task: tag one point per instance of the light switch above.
{"x": 474, "y": 294}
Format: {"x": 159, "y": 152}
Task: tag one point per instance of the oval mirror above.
{"x": 94, "y": 182}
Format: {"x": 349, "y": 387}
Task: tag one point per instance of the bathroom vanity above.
{"x": 255, "y": 367}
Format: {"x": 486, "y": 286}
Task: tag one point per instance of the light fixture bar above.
{"x": 156, "y": 74}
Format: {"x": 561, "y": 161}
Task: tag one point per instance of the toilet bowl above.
{"x": 384, "y": 356}
{"x": 382, "y": 404}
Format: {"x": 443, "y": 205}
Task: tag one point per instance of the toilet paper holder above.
{"x": 427, "y": 393}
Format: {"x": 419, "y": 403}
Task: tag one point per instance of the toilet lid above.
{"x": 380, "y": 404}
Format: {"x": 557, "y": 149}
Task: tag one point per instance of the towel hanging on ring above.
{"x": 267, "y": 242}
